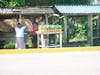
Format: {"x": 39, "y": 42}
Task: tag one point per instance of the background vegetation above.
{"x": 21, "y": 3}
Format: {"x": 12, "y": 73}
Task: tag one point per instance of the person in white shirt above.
{"x": 19, "y": 29}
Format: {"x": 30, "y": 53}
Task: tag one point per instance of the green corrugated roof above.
{"x": 78, "y": 9}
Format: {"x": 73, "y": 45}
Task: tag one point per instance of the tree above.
{"x": 53, "y": 2}
{"x": 16, "y": 3}
{"x": 12, "y": 3}
{"x": 21, "y": 3}
{"x": 3, "y": 3}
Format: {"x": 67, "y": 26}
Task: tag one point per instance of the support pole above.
{"x": 46, "y": 17}
{"x": 20, "y": 18}
{"x": 46, "y": 40}
{"x": 98, "y": 25}
{"x": 90, "y": 30}
{"x": 65, "y": 29}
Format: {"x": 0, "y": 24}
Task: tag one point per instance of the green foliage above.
{"x": 21, "y": 3}
{"x": 29, "y": 43}
{"x": 77, "y": 28}
{"x": 9, "y": 45}
{"x": 53, "y": 2}
{"x": 3, "y": 3}
{"x": 13, "y": 3}
{"x": 16, "y": 3}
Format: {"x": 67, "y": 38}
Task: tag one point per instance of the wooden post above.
{"x": 46, "y": 40}
{"x": 60, "y": 40}
{"x": 90, "y": 30}
{"x": 98, "y": 25}
{"x": 46, "y": 17}
{"x": 42, "y": 41}
{"x": 20, "y": 18}
{"x": 65, "y": 29}
{"x": 98, "y": 21}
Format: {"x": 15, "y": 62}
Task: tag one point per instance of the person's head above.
{"x": 40, "y": 18}
{"x": 19, "y": 25}
{"x": 36, "y": 20}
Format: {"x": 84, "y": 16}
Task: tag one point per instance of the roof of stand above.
{"x": 26, "y": 10}
{"x": 78, "y": 9}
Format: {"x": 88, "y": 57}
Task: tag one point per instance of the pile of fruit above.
{"x": 50, "y": 28}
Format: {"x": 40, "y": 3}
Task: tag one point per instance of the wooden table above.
{"x": 42, "y": 39}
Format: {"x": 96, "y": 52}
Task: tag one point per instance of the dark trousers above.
{"x": 34, "y": 40}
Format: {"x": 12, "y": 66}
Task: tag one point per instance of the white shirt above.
{"x": 20, "y": 31}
